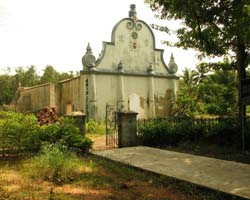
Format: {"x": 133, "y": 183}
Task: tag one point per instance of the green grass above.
{"x": 96, "y": 179}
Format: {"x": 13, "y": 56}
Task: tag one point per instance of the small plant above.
{"x": 47, "y": 116}
{"x": 91, "y": 126}
{"x": 55, "y": 163}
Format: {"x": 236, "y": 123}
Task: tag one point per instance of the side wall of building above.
{"x": 33, "y": 99}
{"x": 69, "y": 95}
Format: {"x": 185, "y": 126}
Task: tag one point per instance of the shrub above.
{"x": 55, "y": 163}
{"x": 91, "y": 126}
{"x": 47, "y": 116}
{"x": 18, "y": 132}
{"x": 224, "y": 132}
{"x": 21, "y": 132}
{"x": 66, "y": 133}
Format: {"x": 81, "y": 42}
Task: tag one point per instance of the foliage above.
{"x": 91, "y": 126}
{"x": 27, "y": 77}
{"x": 210, "y": 26}
{"x": 47, "y": 116}
{"x": 21, "y": 132}
{"x": 173, "y": 131}
{"x": 213, "y": 93}
{"x": 66, "y": 133}
{"x": 8, "y": 88}
{"x": 225, "y": 133}
{"x": 218, "y": 93}
{"x": 187, "y": 103}
{"x": 215, "y": 28}
{"x": 18, "y": 132}
{"x": 50, "y": 75}
{"x": 55, "y": 163}
{"x": 165, "y": 133}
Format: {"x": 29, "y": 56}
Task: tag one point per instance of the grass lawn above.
{"x": 98, "y": 179}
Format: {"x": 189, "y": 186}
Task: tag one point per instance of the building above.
{"x": 130, "y": 74}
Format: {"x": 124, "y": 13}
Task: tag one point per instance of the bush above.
{"x": 18, "y": 132}
{"x": 55, "y": 163}
{"x": 226, "y": 132}
{"x": 91, "y": 126}
{"x": 164, "y": 133}
{"x": 159, "y": 134}
{"x": 66, "y": 133}
{"x": 21, "y": 132}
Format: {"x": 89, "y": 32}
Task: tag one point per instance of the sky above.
{"x": 56, "y": 32}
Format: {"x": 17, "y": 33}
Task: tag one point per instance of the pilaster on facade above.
{"x": 92, "y": 108}
{"x": 151, "y": 97}
{"x": 120, "y": 88}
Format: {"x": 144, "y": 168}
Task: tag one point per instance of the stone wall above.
{"x": 69, "y": 95}
{"x": 33, "y": 99}
{"x": 134, "y": 93}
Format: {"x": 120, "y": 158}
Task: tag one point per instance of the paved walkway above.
{"x": 225, "y": 176}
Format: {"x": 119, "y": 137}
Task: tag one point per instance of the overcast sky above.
{"x": 56, "y": 32}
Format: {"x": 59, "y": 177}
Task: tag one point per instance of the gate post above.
{"x": 79, "y": 118}
{"x": 127, "y": 129}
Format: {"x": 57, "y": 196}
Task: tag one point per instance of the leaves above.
{"x": 209, "y": 26}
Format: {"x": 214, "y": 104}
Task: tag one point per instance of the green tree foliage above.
{"x": 207, "y": 90}
{"x": 27, "y": 77}
{"x": 186, "y": 104}
{"x": 50, "y": 75}
{"x": 8, "y": 88}
{"x": 213, "y": 27}
{"x": 218, "y": 93}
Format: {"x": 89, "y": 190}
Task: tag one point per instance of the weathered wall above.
{"x": 69, "y": 95}
{"x": 133, "y": 44}
{"x": 33, "y": 99}
{"x": 136, "y": 93}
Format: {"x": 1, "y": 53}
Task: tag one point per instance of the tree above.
{"x": 8, "y": 88}
{"x": 50, "y": 75}
{"x": 218, "y": 93}
{"x": 213, "y": 27}
{"x": 187, "y": 97}
{"x": 27, "y": 77}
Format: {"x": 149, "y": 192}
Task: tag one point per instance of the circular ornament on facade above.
{"x": 172, "y": 67}
{"x": 134, "y": 35}
{"x": 89, "y": 61}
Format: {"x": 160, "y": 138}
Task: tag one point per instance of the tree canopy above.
{"x": 213, "y": 27}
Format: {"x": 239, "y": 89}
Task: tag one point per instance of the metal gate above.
{"x": 111, "y": 126}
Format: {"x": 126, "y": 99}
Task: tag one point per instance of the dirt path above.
{"x": 99, "y": 142}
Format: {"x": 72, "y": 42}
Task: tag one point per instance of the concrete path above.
{"x": 225, "y": 176}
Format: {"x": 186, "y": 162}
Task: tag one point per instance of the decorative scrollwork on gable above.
{"x": 130, "y": 25}
{"x": 134, "y": 24}
{"x": 138, "y": 26}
